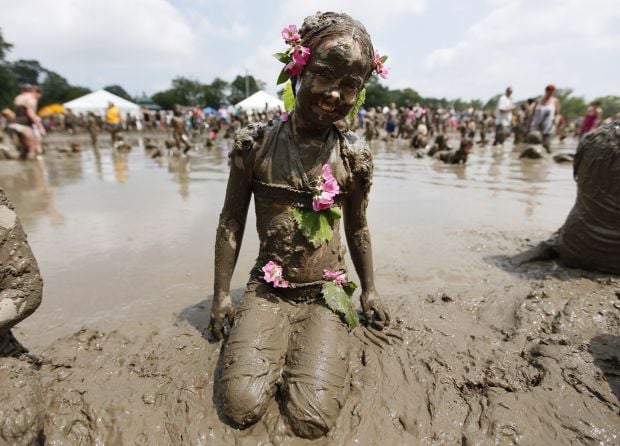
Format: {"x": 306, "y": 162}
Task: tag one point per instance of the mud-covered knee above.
{"x": 311, "y": 418}
{"x": 241, "y": 402}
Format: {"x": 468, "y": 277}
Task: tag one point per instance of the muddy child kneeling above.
{"x": 290, "y": 335}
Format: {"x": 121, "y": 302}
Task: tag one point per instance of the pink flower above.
{"x": 273, "y": 275}
{"x": 284, "y": 117}
{"x": 339, "y": 277}
{"x": 301, "y": 54}
{"x": 291, "y": 34}
{"x": 323, "y": 201}
{"x": 377, "y": 58}
{"x": 293, "y": 69}
{"x": 383, "y": 72}
{"x": 329, "y": 184}
{"x": 380, "y": 69}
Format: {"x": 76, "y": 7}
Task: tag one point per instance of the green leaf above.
{"x": 383, "y": 59}
{"x": 283, "y": 77}
{"x": 288, "y": 97}
{"x": 361, "y": 98}
{"x": 350, "y": 288}
{"x": 339, "y": 301}
{"x": 335, "y": 212}
{"x": 317, "y": 227}
{"x": 283, "y": 57}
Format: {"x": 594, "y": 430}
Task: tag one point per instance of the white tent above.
{"x": 257, "y": 101}
{"x": 97, "y": 102}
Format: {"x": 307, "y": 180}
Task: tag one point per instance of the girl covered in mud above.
{"x": 291, "y": 330}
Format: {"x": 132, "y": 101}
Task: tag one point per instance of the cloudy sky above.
{"x": 442, "y": 48}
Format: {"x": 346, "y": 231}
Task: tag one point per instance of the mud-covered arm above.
{"x": 231, "y": 225}
{"x": 358, "y": 239}
{"x": 230, "y": 233}
{"x": 20, "y": 281}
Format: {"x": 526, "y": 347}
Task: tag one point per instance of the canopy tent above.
{"x": 257, "y": 101}
{"x": 97, "y": 102}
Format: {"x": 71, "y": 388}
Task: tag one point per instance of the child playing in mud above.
{"x": 458, "y": 156}
{"x": 179, "y": 130}
{"x": 289, "y": 335}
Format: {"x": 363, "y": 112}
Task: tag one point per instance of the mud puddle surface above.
{"x": 481, "y": 353}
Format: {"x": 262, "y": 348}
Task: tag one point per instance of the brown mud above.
{"x": 480, "y": 352}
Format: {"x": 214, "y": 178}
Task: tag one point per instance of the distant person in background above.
{"x": 93, "y": 128}
{"x": 113, "y": 121}
{"x": 503, "y": 117}
{"x": 592, "y": 118}
{"x": 546, "y": 115}
{"x": 26, "y": 119}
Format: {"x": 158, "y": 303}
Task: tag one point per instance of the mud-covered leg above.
{"x": 253, "y": 357}
{"x": 20, "y": 281}
{"x": 315, "y": 371}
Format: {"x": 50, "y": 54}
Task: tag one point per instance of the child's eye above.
{"x": 325, "y": 73}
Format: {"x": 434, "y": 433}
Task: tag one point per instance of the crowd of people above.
{"x": 427, "y": 128}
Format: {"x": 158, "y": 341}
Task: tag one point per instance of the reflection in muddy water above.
{"x": 119, "y": 235}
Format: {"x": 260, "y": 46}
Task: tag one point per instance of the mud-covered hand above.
{"x": 221, "y": 308}
{"x": 375, "y": 310}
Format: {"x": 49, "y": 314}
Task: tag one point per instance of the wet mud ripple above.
{"x": 450, "y": 372}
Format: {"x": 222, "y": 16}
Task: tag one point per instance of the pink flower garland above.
{"x": 338, "y": 277}
{"x": 325, "y": 190}
{"x": 273, "y": 275}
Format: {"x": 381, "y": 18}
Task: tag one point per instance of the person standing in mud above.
{"x": 503, "y": 117}
{"x": 546, "y": 116}
{"x": 592, "y": 118}
{"x": 93, "y": 128}
{"x": 179, "y": 130}
{"x": 20, "y": 282}
{"x": 113, "y": 121}
{"x": 288, "y": 334}
{"x": 26, "y": 121}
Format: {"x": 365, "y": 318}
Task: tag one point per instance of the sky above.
{"x": 442, "y": 48}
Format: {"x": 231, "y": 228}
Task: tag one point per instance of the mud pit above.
{"x": 480, "y": 353}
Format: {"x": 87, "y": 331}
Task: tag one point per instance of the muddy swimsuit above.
{"x": 286, "y": 338}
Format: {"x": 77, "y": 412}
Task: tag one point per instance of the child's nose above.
{"x": 333, "y": 95}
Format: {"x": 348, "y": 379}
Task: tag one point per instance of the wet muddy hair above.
{"x": 324, "y": 24}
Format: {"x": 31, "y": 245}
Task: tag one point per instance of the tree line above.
{"x": 189, "y": 92}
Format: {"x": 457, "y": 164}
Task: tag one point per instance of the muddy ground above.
{"x": 480, "y": 352}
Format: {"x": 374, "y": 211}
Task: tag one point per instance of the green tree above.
{"x": 5, "y": 47}
{"x": 8, "y": 83}
{"x": 610, "y": 106}
{"x": 118, "y": 91}
{"x": 377, "y": 95}
{"x": 405, "y": 97}
{"x": 571, "y": 106}
{"x": 8, "y": 87}
{"x": 214, "y": 94}
{"x": 238, "y": 88}
{"x": 27, "y": 71}
{"x": 183, "y": 92}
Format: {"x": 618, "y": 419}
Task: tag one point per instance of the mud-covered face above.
{"x": 331, "y": 80}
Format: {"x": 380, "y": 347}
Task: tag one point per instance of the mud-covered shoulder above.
{"x": 358, "y": 156}
{"x": 249, "y": 138}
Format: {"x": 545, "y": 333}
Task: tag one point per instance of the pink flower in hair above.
{"x": 291, "y": 34}
{"x": 322, "y": 202}
{"x": 380, "y": 69}
{"x": 293, "y": 69}
{"x": 273, "y": 275}
{"x": 300, "y": 54}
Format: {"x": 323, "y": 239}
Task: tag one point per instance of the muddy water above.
{"x": 480, "y": 353}
{"x": 126, "y": 237}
